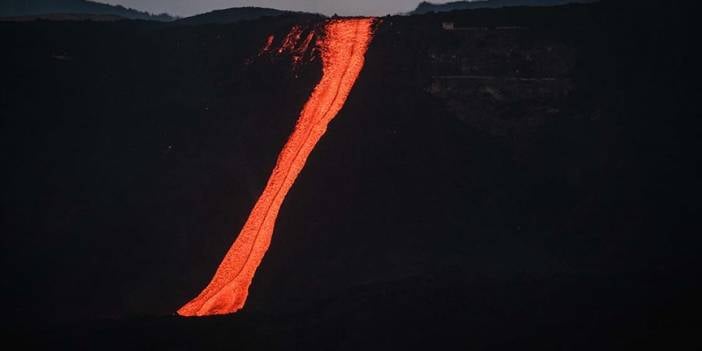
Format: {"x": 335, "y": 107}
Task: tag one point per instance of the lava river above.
{"x": 343, "y": 47}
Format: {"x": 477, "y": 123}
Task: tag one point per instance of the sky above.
{"x": 328, "y": 7}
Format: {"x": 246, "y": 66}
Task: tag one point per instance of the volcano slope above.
{"x": 342, "y": 45}
{"x": 525, "y": 180}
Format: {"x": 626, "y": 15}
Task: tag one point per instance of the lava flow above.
{"x": 343, "y": 48}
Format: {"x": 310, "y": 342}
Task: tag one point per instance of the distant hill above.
{"x": 235, "y": 14}
{"x": 64, "y": 17}
{"x": 427, "y": 7}
{"x": 23, "y": 8}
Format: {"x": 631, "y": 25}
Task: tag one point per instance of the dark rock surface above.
{"x": 495, "y": 213}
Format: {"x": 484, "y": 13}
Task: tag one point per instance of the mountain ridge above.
{"x": 236, "y": 14}
{"x": 428, "y": 7}
{"x": 19, "y": 8}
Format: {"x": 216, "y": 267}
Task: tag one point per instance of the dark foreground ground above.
{"x": 530, "y": 180}
{"x": 446, "y": 309}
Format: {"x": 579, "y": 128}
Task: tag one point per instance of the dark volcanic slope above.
{"x": 526, "y": 180}
{"x": 234, "y": 15}
{"x": 130, "y": 145}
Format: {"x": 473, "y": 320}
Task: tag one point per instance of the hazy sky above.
{"x": 329, "y": 7}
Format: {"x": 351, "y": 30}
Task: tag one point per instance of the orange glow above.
{"x": 267, "y": 46}
{"x": 291, "y": 39}
{"x": 343, "y": 48}
{"x": 294, "y": 45}
{"x": 302, "y": 49}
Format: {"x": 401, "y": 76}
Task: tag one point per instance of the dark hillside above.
{"x": 428, "y": 7}
{"x": 17, "y": 8}
{"x": 234, "y": 15}
{"x": 525, "y": 179}
{"x": 108, "y": 127}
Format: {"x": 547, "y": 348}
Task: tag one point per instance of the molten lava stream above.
{"x": 343, "y": 49}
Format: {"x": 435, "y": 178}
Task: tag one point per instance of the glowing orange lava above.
{"x": 294, "y": 45}
{"x": 343, "y": 47}
{"x": 291, "y": 39}
{"x": 267, "y": 46}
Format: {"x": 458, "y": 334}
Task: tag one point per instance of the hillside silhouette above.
{"x": 236, "y": 14}
{"x": 426, "y": 7}
{"x": 18, "y": 8}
